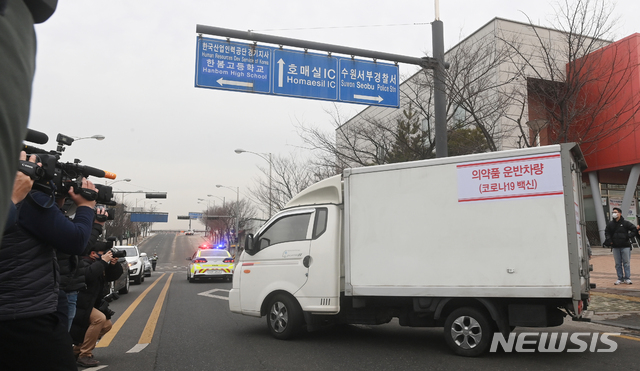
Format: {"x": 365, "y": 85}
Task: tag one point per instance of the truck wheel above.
{"x": 125, "y": 289}
{"x": 284, "y": 317}
{"x": 468, "y": 331}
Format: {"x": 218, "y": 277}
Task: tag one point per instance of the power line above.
{"x": 336, "y": 27}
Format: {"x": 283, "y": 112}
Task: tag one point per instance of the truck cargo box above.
{"x": 499, "y": 224}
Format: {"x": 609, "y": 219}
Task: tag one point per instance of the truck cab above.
{"x": 294, "y": 257}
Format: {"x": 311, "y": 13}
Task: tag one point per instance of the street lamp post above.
{"x": 219, "y": 198}
{"x": 127, "y": 193}
{"x": 96, "y": 137}
{"x": 208, "y": 204}
{"x": 237, "y": 212}
{"x": 239, "y": 151}
{"x": 116, "y": 181}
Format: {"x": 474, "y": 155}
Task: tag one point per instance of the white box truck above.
{"x": 475, "y": 244}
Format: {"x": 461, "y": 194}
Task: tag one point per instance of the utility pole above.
{"x": 440, "y": 95}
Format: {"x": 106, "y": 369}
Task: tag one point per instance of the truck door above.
{"x": 321, "y": 292}
{"x": 278, "y": 265}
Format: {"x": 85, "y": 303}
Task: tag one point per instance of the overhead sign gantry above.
{"x": 222, "y": 64}
{"x": 328, "y": 74}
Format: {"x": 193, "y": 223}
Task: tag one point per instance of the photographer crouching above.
{"x": 90, "y": 323}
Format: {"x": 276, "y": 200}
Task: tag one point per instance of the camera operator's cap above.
{"x": 102, "y": 246}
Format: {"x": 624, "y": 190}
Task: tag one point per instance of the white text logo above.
{"x": 555, "y": 342}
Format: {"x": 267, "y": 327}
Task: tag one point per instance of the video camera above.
{"x": 104, "y": 304}
{"x": 111, "y": 212}
{"x": 55, "y": 177}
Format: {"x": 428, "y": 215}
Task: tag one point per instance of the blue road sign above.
{"x": 369, "y": 82}
{"x": 195, "y": 215}
{"x": 305, "y": 75}
{"x": 233, "y": 66}
{"x": 268, "y": 70}
{"x": 150, "y": 217}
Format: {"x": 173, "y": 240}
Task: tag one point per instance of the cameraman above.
{"x": 71, "y": 276}
{"x": 29, "y": 280}
{"x": 90, "y": 324}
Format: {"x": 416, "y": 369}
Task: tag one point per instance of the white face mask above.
{"x": 614, "y": 215}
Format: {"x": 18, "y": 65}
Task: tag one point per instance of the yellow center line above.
{"x": 628, "y": 337}
{"x": 108, "y": 337}
{"x": 149, "y": 329}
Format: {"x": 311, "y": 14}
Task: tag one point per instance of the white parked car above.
{"x": 136, "y": 263}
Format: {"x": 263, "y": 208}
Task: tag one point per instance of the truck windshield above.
{"x": 289, "y": 228}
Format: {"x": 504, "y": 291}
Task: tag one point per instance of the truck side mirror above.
{"x": 248, "y": 244}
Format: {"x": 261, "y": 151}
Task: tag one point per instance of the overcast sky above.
{"x": 125, "y": 69}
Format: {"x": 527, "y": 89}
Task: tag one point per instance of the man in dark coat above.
{"x": 618, "y": 233}
{"x": 71, "y": 278}
{"x": 29, "y": 281}
{"x": 90, "y": 324}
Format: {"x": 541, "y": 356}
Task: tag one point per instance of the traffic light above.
{"x": 156, "y": 195}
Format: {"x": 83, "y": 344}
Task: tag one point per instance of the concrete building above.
{"x": 487, "y": 90}
{"x": 495, "y": 78}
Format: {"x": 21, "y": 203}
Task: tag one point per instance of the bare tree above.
{"x": 223, "y": 219}
{"x": 480, "y": 91}
{"x": 369, "y": 141}
{"x": 290, "y": 175}
{"x": 121, "y": 226}
{"x": 582, "y": 101}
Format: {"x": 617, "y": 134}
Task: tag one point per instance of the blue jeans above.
{"x": 622, "y": 255}
{"x": 72, "y": 298}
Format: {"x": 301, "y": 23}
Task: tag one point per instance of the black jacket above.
{"x": 97, "y": 273}
{"x": 72, "y": 278}
{"x": 29, "y": 278}
{"x": 617, "y": 233}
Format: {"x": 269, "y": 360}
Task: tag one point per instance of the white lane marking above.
{"x": 95, "y": 368}
{"x": 137, "y": 348}
{"x": 210, "y": 294}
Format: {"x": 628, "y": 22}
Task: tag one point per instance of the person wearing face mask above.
{"x": 618, "y": 233}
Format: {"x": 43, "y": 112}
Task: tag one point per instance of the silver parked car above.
{"x": 147, "y": 264}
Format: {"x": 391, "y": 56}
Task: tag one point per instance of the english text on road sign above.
{"x": 305, "y": 75}
{"x": 368, "y": 82}
{"x": 233, "y": 66}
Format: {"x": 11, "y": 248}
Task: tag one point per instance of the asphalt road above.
{"x": 169, "y": 324}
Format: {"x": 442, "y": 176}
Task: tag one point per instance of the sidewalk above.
{"x": 616, "y": 305}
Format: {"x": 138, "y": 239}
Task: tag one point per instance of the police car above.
{"x": 210, "y": 263}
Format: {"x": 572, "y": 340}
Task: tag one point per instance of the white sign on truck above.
{"x": 470, "y": 243}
